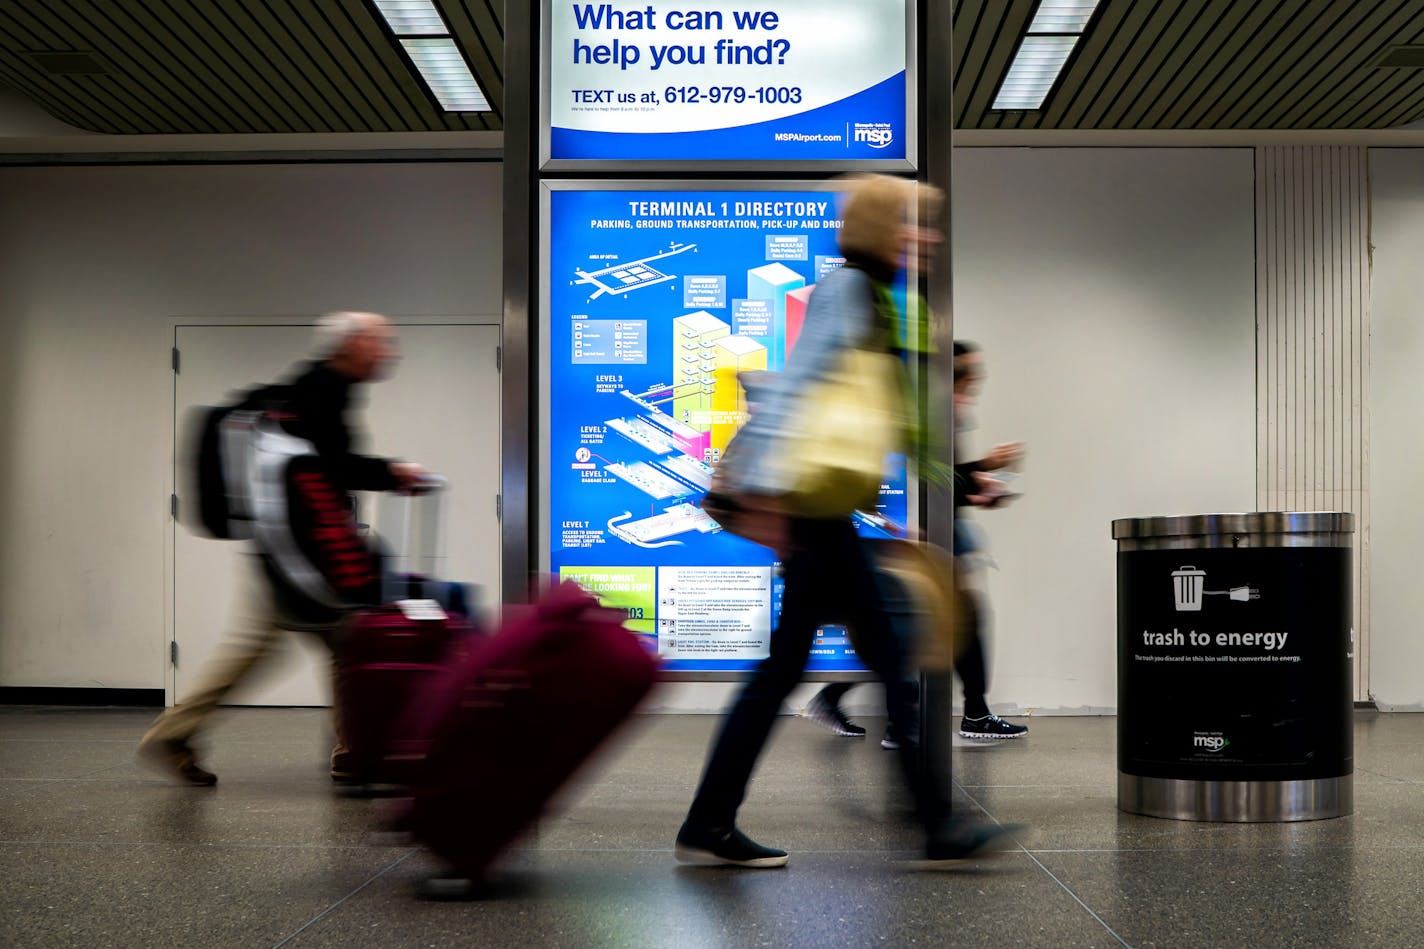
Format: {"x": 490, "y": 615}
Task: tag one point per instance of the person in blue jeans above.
{"x": 975, "y": 486}
{"x": 827, "y": 577}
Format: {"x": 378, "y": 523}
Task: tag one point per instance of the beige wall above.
{"x": 1112, "y": 288}
{"x": 1113, "y": 291}
{"x": 1397, "y": 428}
{"x": 95, "y": 263}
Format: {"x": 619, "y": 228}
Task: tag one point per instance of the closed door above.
{"x": 440, "y": 408}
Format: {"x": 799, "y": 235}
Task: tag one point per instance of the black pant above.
{"x": 970, "y": 663}
{"x": 827, "y": 580}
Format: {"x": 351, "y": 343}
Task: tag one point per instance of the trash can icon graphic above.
{"x": 1187, "y": 582}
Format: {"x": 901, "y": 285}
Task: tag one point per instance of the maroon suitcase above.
{"x": 386, "y": 656}
{"x": 385, "y": 659}
{"x": 503, "y": 729}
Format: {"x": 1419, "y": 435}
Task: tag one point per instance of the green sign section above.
{"x": 631, "y": 589}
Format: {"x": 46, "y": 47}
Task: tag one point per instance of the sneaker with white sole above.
{"x": 990, "y": 726}
{"x": 832, "y": 719}
{"x": 725, "y": 848}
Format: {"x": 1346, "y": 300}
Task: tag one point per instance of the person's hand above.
{"x": 988, "y": 490}
{"x": 1005, "y": 455}
{"x": 408, "y": 476}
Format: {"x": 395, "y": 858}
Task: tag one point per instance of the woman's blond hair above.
{"x": 875, "y": 208}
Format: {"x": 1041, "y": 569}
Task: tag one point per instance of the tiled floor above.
{"x": 95, "y": 851}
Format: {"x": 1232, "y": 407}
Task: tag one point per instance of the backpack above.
{"x": 224, "y": 436}
{"x": 304, "y": 527}
{"x": 256, "y": 480}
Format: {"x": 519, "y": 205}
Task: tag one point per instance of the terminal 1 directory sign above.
{"x": 656, "y": 300}
{"x": 728, "y": 80}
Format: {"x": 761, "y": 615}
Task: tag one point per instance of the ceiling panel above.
{"x": 1203, "y": 64}
{"x": 214, "y": 66}
{"x": 991, "y": 47}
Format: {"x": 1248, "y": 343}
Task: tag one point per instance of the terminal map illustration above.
{"x": 657, "y": 302}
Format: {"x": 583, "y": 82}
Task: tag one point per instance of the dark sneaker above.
{"x": 451, "y": 889}
{"x": 725, "y": 848}
{"x": 175, "y": 759}
{"x": 990, "y": 726}
{"x": 832, "y": 719}
{"x": 966, "y": 840}
{"x": 891, "y": 743}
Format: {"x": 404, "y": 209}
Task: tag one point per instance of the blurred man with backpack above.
{"x": 349, "y": 349}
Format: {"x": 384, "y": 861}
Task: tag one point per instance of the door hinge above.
{"x": 173, "y": 506}
{"x": 499, "y": 359}
{"x": 173, "y": 651}
{"x": 499, "y": 506}
{"x": 176, "y": 359}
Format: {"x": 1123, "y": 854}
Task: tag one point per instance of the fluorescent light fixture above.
{"x": 1062, "y": 16}
{"x": 434, "y": 53}
{"x": 1057, "y": 25}
{"x": 1034, "y": 71}
{"x": 443, "y": 68}
{"x": 412, "y": 17}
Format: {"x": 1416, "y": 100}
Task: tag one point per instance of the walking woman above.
{"x": 827, "y": 576}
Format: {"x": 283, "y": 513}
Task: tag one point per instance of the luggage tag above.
{"x": 421, "y": 610}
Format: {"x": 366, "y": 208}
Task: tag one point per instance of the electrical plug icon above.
{"x": 1236, "y": 594}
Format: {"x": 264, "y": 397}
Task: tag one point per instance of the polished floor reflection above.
{"x": 95, "y": 851}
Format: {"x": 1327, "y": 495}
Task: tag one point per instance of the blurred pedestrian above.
{"x": 982, "y": 485}
{"x": 348, "y": 349}
{"x": 978, "y": 483}
{"x": 827, "y": 578}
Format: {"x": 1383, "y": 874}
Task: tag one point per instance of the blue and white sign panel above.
{"x": 720, "y": 80}
{"x": 657, "y": 301}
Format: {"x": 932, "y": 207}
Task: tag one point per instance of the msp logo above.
{"x": 1212, "y": 743}
{"x": 874, "y": 134}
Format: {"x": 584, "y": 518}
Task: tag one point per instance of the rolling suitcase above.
{"x": 393, "y": 652}
{"x": 505, "y": 727}
{"x": 386, "y": 657}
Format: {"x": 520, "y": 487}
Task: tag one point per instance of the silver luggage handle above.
{"x": 429, "y": 483}
{"x": 429, "y": 491}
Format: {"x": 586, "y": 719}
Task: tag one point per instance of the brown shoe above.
{"x": 342, "y": 770}
{"x": 174, "y": 757}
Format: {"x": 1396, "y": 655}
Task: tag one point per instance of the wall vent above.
{"x": 1402, "y": 57}
{"x": 68, "y": 64}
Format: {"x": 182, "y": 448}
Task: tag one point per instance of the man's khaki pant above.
{"x": 252, "y": 636}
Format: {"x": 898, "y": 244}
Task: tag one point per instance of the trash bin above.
{"x": 1234, "y": 666}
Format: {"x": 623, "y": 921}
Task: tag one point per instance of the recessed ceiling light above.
{"x": 444, "y": 70}
{"x": 1034, "y": 71}
{"x": 1055, "y": 29}
{"x": 412, "y": 17}
{"x": 1062, "y": 16}
{"x": 426, "y": 39}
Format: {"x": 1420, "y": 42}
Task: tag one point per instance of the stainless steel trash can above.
{"x": 1234, "y": 666}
